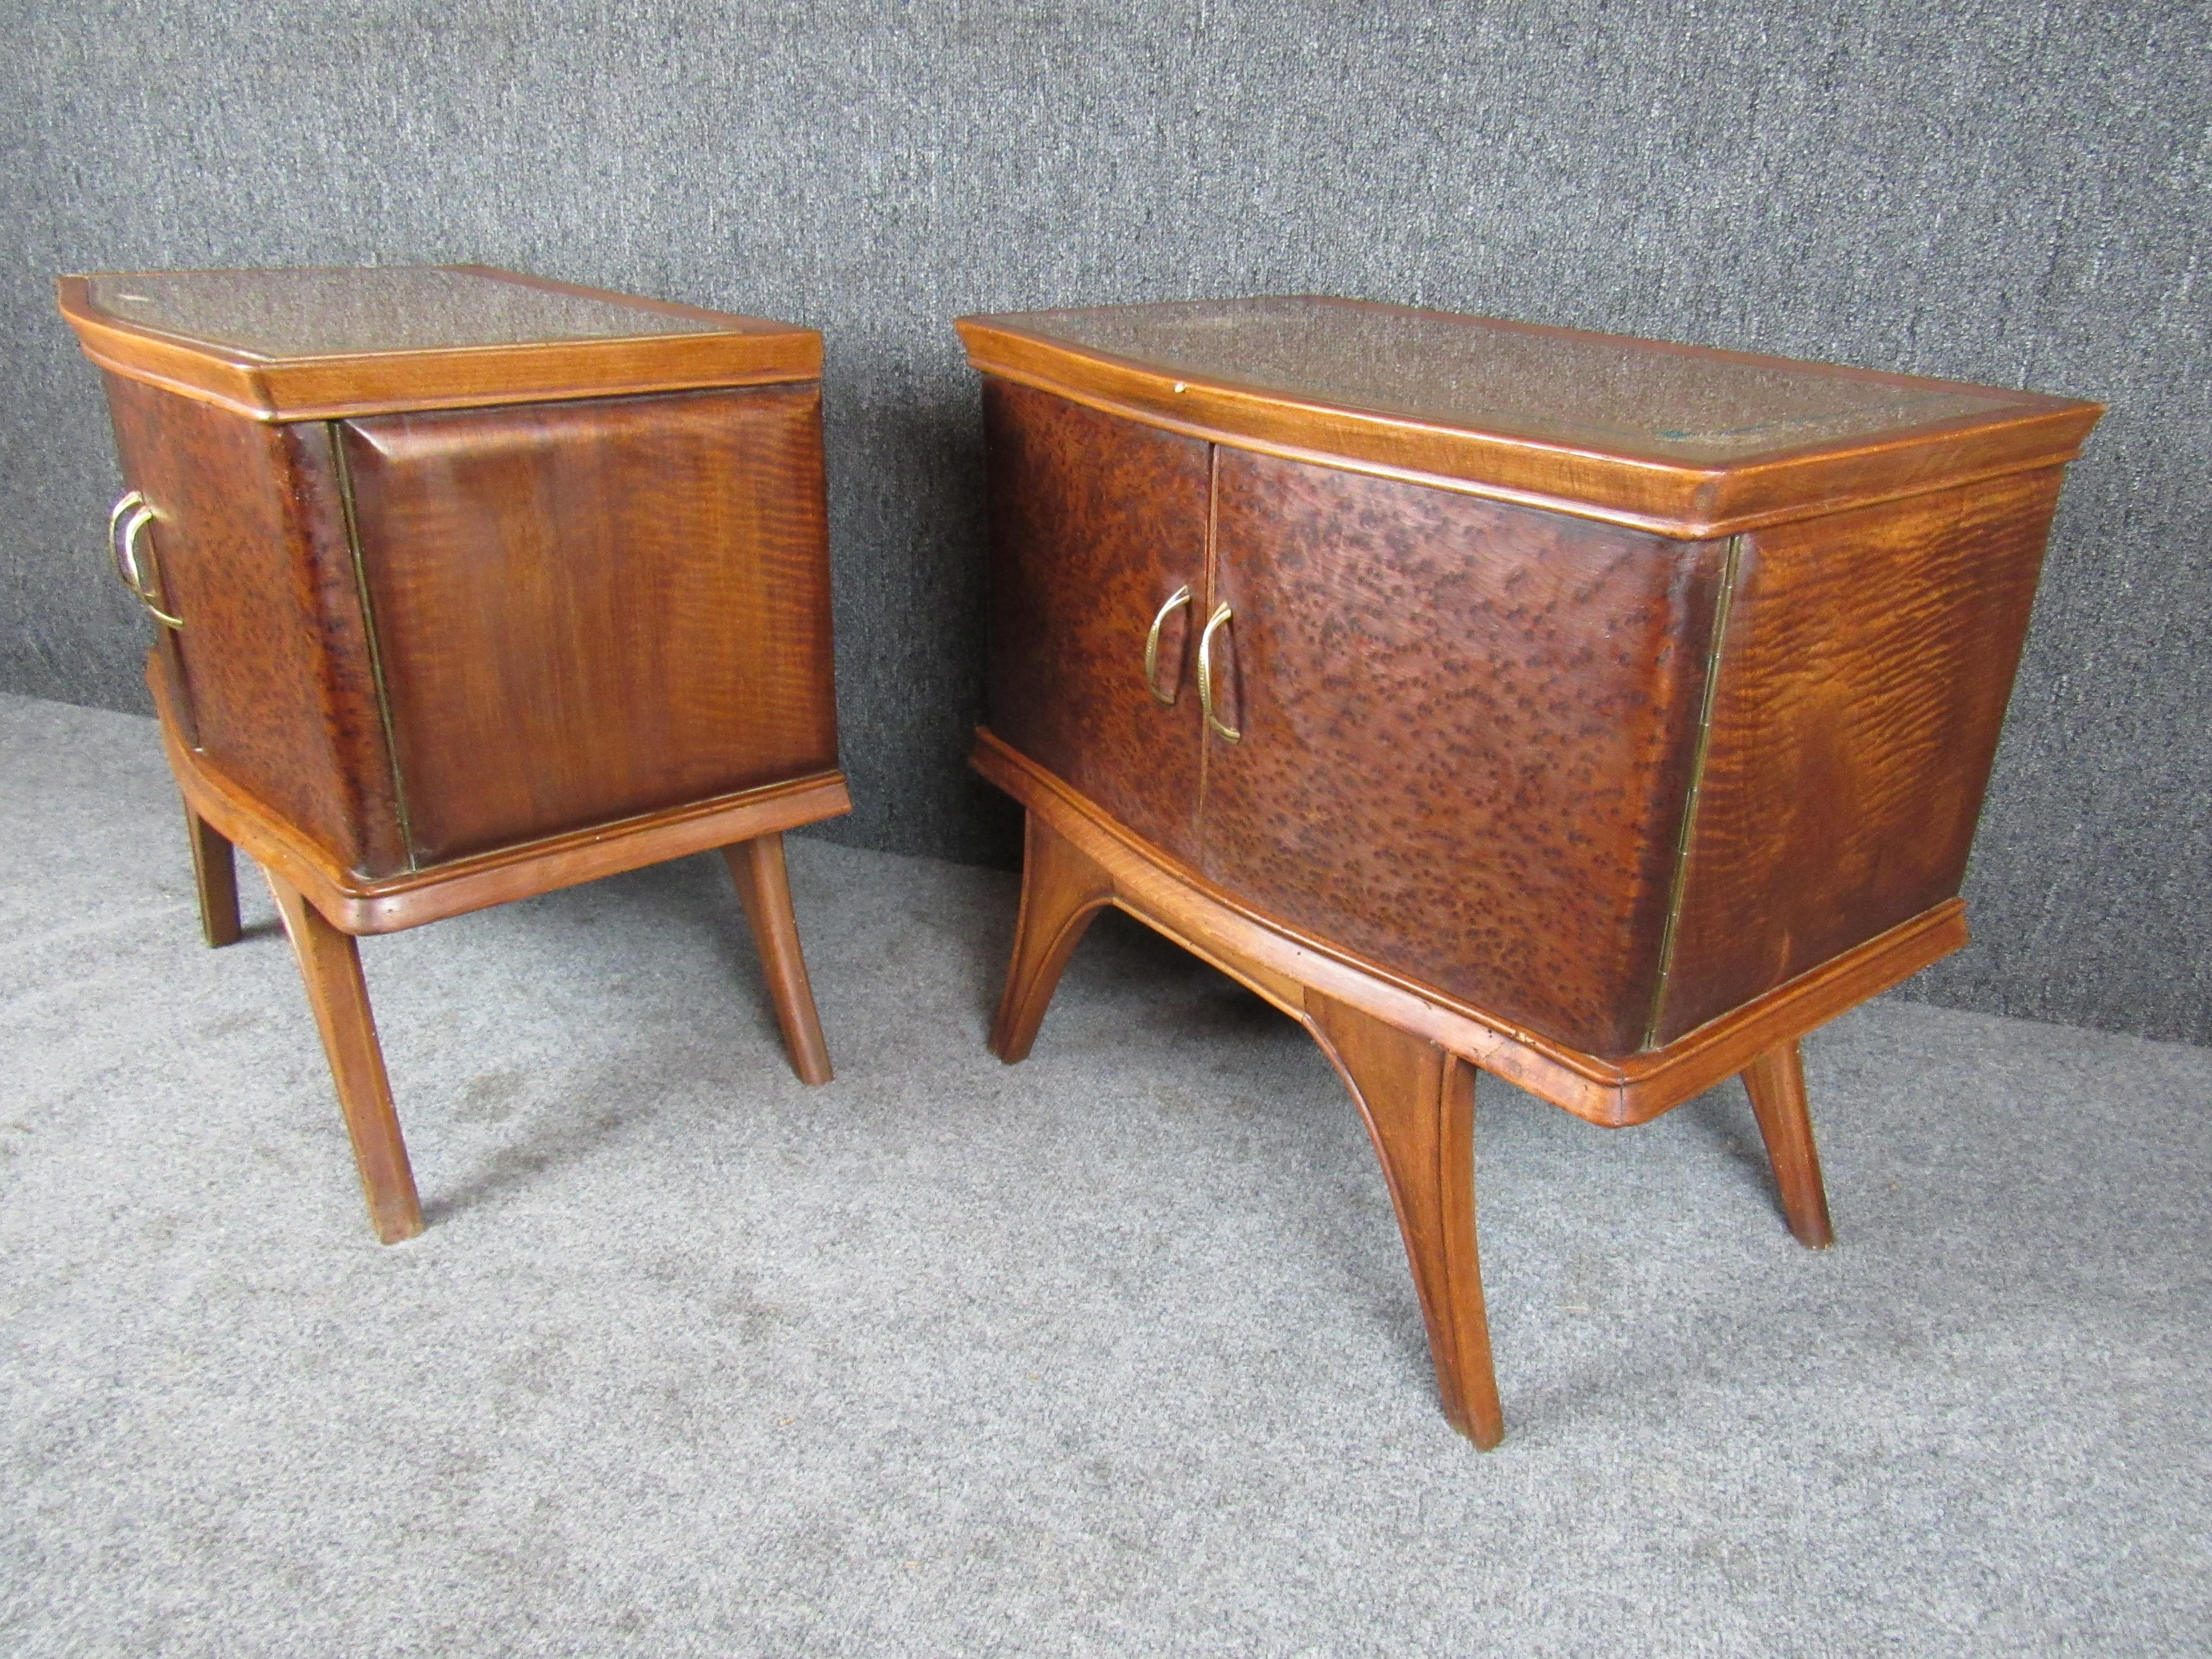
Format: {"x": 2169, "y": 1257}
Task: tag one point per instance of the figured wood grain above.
{"x": 736, "y": 350}
{"x": 1279, "y": 962}
{"x": 756, "y": 867}
{"x": 330, "y": 967}
{"x": 1862, "y": 681}
{"x": 1095, "y": 525}
{"x": 587, "y": 611}
{"x": 1468, "y": 736}
{"x": 1614, "y": 481}
{"x": 357, "y": 905}
{"x": 273, "y": 662}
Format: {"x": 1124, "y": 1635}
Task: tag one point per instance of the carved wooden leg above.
{"x": 331, "y": 965}
{"x": 1061, "y": 891}
{"x": 1776, "y": 1083}
{"x": 1419, "y": 1102}
{"x": 215, "y": 872}
{"x": 764, "y": 886}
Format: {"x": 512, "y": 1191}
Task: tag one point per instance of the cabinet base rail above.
{"x": 1408, "y": 1055}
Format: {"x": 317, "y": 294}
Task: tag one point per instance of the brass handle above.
{"x": 123, "y": 533}
{"x": 1180, "y": 596}
{"x": 1229, "y": 733}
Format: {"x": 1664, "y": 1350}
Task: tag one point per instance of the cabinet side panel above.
{"x": 1468, "y": 731}
{"x": 1862, "y": 684}
{"x": 253, "y": 552}
{"x": 1095, "y": 523}
{"x": 591, "y": 610}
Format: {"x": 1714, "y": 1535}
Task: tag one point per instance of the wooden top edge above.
{"x": 740, "y": 351}
{"x": 1693, "y": 499}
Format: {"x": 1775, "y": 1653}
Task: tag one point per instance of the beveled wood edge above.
{"x": 393, "y": 382}
{"x": 1675, "y": 499}
{"x": 1279, "y": 962}
{"x": 359, "y": 905}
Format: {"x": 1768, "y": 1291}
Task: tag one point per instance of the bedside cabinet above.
{"x": 465, "y": 587}
{"x": 1600, "y": 714}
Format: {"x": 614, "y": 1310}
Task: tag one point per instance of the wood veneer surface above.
{"x": 1861, "y": 692}
{"x": 274, "y": 670}
{"x": 1468, "y": 732}
{"x": 1686, "y": 440}
{"x": 589, "y": 610}
{"x": 1095, "y": 522}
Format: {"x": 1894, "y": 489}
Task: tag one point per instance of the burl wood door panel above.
{"x": 1468, "y": 735}
{"x": 1097, "y": 522}
{"x": 270, "y": 676}
{"x": 588, "y": 610}
{"x": 1862, "y": 684}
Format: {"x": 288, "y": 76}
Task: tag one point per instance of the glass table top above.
{"x": 1601, "y": 392}
{"x": 278, "y": 314}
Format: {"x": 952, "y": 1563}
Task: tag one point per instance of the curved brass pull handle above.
{"x": 123, "y": 545}
{"x": 1228, "y": 733}
{"x": 1180, "y": 596}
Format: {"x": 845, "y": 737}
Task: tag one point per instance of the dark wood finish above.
{"x": 589, "y": 611}
{"x": 330, "y": 965}
{"x": 764, "y": 889}
{"x": 1647, "y": 484}
{"x": 1095, "y": 524}
{"x": 1862, "y": 685}
{"x": 215, "y": 880}
{"x": 1776, "y": 1083}
{"x": 1468, "y": 735}
{"x": 273, "y": 662}
{"x": 1281, "y": 963}
{"x": 393, "y": 904}
{"x": 365, "y": 377}
{"x": 1615, "y": 800}
{"x": 430, "y": 658}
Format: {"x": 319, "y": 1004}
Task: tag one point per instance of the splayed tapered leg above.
{"x": 1419, "y": 1102}
{"x": 764, "y": 888}
{"x": 1062, "y": 890}
{"x": 1776, "y": 1083}
{"x": 215, "y": 874}
{"x": 330, "y": 963}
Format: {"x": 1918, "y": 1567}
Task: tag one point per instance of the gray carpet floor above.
{"x": 1113, "y": 1351}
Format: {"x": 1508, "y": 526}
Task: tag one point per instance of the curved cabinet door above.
{"x": 1097, "y": 524}
{"x": 1468, "y": 735}
{"x": 589, "y": 610}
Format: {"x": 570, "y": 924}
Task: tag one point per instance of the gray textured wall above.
{"x": 2006, "y": 192}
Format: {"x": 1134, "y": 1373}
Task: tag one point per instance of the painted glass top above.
{"x": 278, "y": 314}
{"x": 1600, "y": 391}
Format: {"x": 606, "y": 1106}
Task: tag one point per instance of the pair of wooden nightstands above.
{"x": 1602, "y": 714}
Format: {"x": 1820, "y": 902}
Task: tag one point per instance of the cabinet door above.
{"x": 269, "y": 677}
{"x": 586, "y": 611}
{"x": 1468, "y": 730}
{"x": 1096, "y": 523}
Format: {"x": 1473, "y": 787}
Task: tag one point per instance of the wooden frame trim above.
{"x": 739, "y": 351}
{"x": 1681, "y": 498}
{"x": 1279, "y": 962}
{"x": 355, "y": 904}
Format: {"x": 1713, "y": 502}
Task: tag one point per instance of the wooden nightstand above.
{"x": 466, "y": 586}
{"x": 1600, "y": 714}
